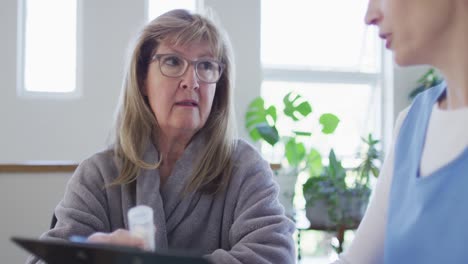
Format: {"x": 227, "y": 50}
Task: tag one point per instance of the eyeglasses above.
{"x": 173, "y": 65}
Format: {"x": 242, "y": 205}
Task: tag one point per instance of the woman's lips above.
{"x": 387, "y": 37}
{"x": 187, "y": 103}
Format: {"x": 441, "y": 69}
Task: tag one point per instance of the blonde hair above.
{"x": 136, "y": 123}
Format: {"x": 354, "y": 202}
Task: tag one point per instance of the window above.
{"x": 324, "y": 51}
{"x": 158, "y": 7}
{"x": 47, "y": 57}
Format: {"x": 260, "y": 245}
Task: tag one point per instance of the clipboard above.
{"x": 65, "y": 252}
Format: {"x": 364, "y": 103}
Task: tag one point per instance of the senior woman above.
{"x": 175, "y": 152}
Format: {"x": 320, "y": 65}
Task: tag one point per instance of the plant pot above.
{"x": 348, "y": 213}
{"x": 286, "y": 179}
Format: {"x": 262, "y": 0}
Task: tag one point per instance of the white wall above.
{"x": 73, "y": 129}
{"x": 52, "y": 129}
{"x": 27, "y": 202}
{"x": 48, "y": 129}
{"x": 241, "y": 19}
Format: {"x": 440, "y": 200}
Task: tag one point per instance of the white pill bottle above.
{"x": 141, "y": 224}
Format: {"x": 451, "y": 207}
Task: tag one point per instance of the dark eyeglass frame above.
{"x": 194, "y": 63}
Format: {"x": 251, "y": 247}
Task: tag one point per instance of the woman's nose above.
{"x": 374, "y": 13}
{"x": 190, "y": 79}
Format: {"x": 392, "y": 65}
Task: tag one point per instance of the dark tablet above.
{"x": 64, "y": 252}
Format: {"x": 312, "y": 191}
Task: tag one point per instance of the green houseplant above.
{"x": 427, "y": 80}
{"x": 336, "y": 197}
{"x": 262, "y": 123}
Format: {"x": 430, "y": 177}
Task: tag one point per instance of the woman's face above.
{"x": 181, "y": 104}
{"x": 415, "y": 30}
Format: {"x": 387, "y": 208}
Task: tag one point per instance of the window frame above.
{"x": 21, "y": 59}
{"x": 375, "y": 80}
{"x": 379, "y": 80}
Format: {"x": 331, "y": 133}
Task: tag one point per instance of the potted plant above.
{"x": 336, "y": 198}
{"x": 261, "y": 122}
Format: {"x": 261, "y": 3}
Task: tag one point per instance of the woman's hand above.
{"x": 119, "y": 237}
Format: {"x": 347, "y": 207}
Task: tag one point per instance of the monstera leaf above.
{"x": 260, "y": 122}
{"x": 268, "y": 133}
{"x": 295, "y": 107}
